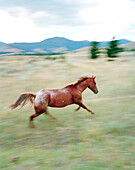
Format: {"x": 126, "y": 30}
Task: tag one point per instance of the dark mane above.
{"x": 80, "y": 80}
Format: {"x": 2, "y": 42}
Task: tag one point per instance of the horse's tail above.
{"x": 23, "y": 100}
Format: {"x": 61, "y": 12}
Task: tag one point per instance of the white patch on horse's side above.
{"x": 63, "y": 90}
{"x": 52, "y": 93}
{"x": 63, "y": 101}
{"x": 39, "y": 98}
{"x": 59, "y": 91}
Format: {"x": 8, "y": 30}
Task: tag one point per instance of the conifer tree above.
{"x": 94, "y": 50}
{"x": 113, "y": 49}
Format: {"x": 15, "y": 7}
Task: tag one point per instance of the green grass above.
{"x": 77, "y": 140}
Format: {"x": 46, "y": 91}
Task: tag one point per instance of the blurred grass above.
{"x": 77, "y": 140}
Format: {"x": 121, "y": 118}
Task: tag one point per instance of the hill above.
{"x": 77, "y": 140}
{"x": 129, "y": 46}
{"x": 53, "y": 45}
{"x": 6, "y": 49}
{"x": 121, "y": 41}
{"x": 2, "y": 43}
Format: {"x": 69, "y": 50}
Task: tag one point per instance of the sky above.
{"x": 93, "y": 20}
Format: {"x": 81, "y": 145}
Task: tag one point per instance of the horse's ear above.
{"x": 93, "y": 77}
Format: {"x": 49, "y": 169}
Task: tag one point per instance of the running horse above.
{"x": 71, "y": 94}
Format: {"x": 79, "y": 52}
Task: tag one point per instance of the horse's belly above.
{"x": 59, "y": 104}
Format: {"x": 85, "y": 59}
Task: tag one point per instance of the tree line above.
{"x": 112, "y": 50}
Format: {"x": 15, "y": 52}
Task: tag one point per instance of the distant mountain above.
{"x": 56, "y": 44}
{"x": 53, "y": 45}
{"x": 124, "y": 41}
{"x": 6, "y": 49}
{"x": 2, "y": 43}
{"x": 121, "y": 41}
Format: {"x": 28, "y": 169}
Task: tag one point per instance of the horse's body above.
{"x": 54, "y": 97}
{"x": 71, "y": 94}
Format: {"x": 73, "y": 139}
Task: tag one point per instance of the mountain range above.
{"x": 50, "y": 45}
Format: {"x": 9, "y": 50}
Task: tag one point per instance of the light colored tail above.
{"x": 23, "y": 100}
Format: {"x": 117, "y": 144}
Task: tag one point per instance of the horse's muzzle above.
{"x": 96, "y": 91}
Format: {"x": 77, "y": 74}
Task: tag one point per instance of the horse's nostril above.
{"x": 96, "y": 91}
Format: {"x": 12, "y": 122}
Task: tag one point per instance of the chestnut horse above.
{"x": 71, "y": 94}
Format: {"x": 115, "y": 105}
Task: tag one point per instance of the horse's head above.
{"x": 92, "y": 84}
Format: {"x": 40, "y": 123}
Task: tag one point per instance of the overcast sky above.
{"x": 36, "y": 20}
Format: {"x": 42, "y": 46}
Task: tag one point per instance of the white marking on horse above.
{"x": 52, "y": 93}
{"x": 60, "y": 91}
{"x": 40, "y": 97}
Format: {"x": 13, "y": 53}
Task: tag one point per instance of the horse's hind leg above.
{"x": 31, "y": 125}
{"x": 51, "y": 116}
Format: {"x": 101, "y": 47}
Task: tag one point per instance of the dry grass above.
{"x": 77, "y": 140}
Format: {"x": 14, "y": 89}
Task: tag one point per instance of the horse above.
{"x": 71, "y": 94}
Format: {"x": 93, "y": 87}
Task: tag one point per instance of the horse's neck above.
{"x": 82, "y": 86}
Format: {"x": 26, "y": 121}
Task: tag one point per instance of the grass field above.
{"x": 77, "y": 140}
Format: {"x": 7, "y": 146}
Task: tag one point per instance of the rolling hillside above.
{"x": 77, "y": 140}
{"x": 51, "y": 45}
{"x": 2, "y": 43}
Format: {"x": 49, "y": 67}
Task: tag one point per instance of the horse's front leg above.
{"x": 83, "y": 106}
{"x": 77, "y": 108}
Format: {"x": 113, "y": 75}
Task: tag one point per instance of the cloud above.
{"x": 16, "y": 25}
{"x": 40, "y": 14}
{"x": 108, "y": 18}
{"x": 35, "y": 20}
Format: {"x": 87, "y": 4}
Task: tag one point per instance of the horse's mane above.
{"x": 81, "y": 79}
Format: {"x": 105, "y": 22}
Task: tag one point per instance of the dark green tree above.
{"x": 94, "y": 50}
{"x": 113, "y": 49}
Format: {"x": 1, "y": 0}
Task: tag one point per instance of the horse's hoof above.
{"x": 93, "y": 113}
{"x": 32, "y": 127}
{"x": 16, "y": 158}
{"x": 53, "y": 120}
